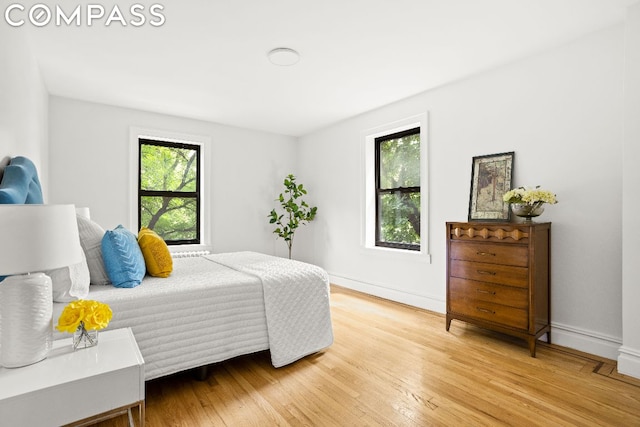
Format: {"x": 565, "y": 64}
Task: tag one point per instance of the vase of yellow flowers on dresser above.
{"x": 528, "y": 203}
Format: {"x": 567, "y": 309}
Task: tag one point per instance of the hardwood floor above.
{"x": 394, "y": 365}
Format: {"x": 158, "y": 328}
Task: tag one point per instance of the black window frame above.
{"x": 379, "y": 191}
{"x": 182, "y": 194}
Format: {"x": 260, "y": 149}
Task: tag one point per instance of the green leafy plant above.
{"x": 296, "y": 211}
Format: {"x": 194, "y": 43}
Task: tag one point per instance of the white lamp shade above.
{"x": 34, "y": 238}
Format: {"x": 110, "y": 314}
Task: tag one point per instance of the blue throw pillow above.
{"x": 122, "y": 258}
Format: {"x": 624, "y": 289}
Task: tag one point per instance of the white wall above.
{"x": 561, "y": 112}
{"x": 629, "y": 359}
{"x": 89, "y": 154}
{"x": 23, "y": 102}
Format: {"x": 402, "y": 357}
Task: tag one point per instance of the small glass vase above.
{"x": 83, "y": 338}
{"x": 527, "y": 211}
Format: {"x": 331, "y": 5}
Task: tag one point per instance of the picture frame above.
{"x": 491, "y": 177}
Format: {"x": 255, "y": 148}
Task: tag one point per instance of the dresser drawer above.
{"x": 493, "y": 273}
{"x": 490, "y": 253}
{"x": 486, "y": 292}
{"x": 508, "y": 316}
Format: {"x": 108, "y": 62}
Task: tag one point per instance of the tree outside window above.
{"x": 169, "y": 190}
{"x": 398, "y": 190}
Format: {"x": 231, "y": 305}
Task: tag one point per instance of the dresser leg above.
{"x": 532, "y": 346}
{"x": 448, "y": 322}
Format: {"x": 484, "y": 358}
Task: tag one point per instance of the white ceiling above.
{"x": 208, "y": 61}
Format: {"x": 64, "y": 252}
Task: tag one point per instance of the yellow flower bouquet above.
{"x": 528, "y": 202}
{"x": 529, "y": 196}
{"x": 83, "y": 318}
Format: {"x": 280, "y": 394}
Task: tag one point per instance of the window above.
{"x": 397, "y": 187}
{"x": 169, "y": 190}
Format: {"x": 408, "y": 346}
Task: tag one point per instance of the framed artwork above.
{"x": 491, "y": 177}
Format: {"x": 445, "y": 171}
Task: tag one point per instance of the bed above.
{"x": 213, "y": 307}
{"x": 216, "y": 307}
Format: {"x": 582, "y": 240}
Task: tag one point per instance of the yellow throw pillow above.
{"x": 157, "y": 257}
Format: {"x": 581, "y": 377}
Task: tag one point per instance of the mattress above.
{"x": 203, "y": 313}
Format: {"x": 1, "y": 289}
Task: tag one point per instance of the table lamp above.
{"x": 33, "y": 238}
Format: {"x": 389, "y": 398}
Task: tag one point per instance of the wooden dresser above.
{"x": 498, "y": 277}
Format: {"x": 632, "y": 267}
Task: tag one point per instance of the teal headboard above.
{"x": 20, "y": 183}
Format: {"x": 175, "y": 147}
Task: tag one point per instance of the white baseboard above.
{"x": 420, "y": 301}
{"x": 629, "y": 362}
{"x": 584, "y": 340}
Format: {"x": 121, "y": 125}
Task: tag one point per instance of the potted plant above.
{"x": 296, "y": 211}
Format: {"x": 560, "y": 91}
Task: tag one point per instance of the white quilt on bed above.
{"x": 206, "y": 312}
{"x": 296, "y": 298}
{"x": 203, "y": 313}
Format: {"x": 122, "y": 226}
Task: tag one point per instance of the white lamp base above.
{"x": 26, "y": 319}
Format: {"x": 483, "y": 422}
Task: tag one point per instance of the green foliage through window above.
{"x": 398, "y": 190}
{"x": 169, "y": 190}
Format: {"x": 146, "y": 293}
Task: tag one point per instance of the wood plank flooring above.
{"x": 395, "y": 365}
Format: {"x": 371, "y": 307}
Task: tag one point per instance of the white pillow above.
{"x": 70, "y": 283}
{"x": 91, "y": 235}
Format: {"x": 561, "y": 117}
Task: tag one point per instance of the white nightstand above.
{"x": 78, "y": 387}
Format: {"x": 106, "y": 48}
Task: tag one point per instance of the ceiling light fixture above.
{"x": 283, "y": 56}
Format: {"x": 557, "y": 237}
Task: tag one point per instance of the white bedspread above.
{"x": 296, "y": 297}
{"x": 203, "y": 313}
{"x": 221, "y": 306}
